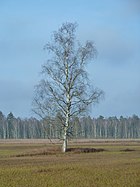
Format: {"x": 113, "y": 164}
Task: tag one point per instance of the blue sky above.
{"x": 114, "y": 26}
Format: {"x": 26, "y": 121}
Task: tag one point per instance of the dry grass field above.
{"x": 88, "y": 163}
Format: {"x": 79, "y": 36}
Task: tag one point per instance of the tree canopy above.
{"x": 65, "y": 88}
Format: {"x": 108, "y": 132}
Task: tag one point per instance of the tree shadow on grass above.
{"x": 84, "y": 150}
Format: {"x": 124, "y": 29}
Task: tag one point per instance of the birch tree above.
{"x": 65, "y": 88}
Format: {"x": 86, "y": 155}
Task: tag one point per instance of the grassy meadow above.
{"x": 38, "y": 163}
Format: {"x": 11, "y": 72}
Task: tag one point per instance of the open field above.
{"x": 38, "y": 163}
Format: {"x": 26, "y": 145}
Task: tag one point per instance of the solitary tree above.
{"x": 65, "y": 89}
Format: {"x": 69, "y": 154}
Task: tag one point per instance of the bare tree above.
{"x": 65, "y": 88}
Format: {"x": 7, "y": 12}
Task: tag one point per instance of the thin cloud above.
{"x": 132, "y": 7}
{"x": 16, "y": 97}
{"x": 113, "y": 48}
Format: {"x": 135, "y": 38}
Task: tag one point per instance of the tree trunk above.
{"x": 65, "y": 140}
{"x": 64, "y": 146}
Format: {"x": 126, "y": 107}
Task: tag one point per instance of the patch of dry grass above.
{"x": 112, "y": 167}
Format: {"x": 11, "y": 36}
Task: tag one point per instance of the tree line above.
{"x": 81, "y": 127}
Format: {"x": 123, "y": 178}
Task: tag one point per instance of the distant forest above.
{"x": 83, "y": 127}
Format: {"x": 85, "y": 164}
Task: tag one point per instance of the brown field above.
{"x": 88, "y": 163}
